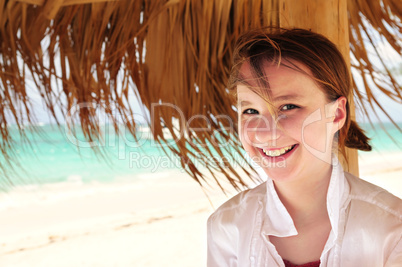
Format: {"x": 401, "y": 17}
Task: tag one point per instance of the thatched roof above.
{"x": 176, "y": 52}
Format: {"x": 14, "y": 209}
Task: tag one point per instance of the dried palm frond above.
{"x": 371, "y": 24}
{"x": 174, "y": 55}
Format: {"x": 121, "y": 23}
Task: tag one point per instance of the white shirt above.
{"x": 366, "y": 224}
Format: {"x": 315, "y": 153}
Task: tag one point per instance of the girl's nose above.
{"x": 261, "y": 131}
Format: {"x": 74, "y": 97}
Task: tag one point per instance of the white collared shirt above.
{"x": 366, "y": 226}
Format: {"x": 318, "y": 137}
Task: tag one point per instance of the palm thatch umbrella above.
{"x": 175, "y": 56}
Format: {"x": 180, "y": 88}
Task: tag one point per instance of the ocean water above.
{"x": 385, "y": 137}
{"x": 55, "y": 156}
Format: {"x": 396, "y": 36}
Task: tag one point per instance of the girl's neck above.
{"x": 305, "y": 197}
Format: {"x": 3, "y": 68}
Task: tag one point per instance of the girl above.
{"x": 292, "y": 88}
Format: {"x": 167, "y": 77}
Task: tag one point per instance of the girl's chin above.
{"x": 278, "y": 173}
{"x": 280, "y": 170}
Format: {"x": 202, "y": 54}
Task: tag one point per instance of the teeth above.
{"x": 277, "y": 152}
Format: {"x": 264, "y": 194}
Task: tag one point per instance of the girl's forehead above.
{"x": 249, "y": 72}
{"x": 274, "y": 79}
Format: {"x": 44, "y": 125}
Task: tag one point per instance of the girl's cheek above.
{"x": 252, "y": 128}
{"x": 292, "y": 126}
{"x": 246, "y": 133}
{"x": 315, "y": 136}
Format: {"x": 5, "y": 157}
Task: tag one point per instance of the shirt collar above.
{"x": 279, "y": 222}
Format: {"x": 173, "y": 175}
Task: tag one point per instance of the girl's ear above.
{"x": 340, "y": 113}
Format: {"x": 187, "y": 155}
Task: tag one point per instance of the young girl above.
{"x": 292, "y": 88}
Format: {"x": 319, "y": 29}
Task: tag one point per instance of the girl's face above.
{"x": 298, "y": 141}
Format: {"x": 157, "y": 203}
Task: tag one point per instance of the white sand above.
{"x": 155, "y": 222}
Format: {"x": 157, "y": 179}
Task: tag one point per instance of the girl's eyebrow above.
{"x": 278, "y": 98}
{"x": 244, "y": 103}
{"x": 287, "y": 97}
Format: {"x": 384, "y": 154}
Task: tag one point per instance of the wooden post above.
{"x": 329, "y": 18}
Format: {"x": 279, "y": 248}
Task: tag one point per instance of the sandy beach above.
{"x": 156, "y": 221}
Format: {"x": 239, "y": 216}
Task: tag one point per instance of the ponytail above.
{"x": 356, "y": 138}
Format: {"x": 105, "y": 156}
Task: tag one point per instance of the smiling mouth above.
{"x": 278, "y": 152}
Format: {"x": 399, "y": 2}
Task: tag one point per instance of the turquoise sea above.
{"x": 54, "y": 157}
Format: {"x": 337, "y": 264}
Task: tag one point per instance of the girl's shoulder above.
{"x": 375, "y": 198}
{"x": 244, "y": 202}
{"x": 374, "y": 221}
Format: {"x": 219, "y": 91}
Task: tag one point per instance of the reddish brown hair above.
{"x": 316, "y": 52}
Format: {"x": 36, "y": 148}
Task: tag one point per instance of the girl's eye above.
{"x": 288, "y": 107}
{"x": 250, "y": 111}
